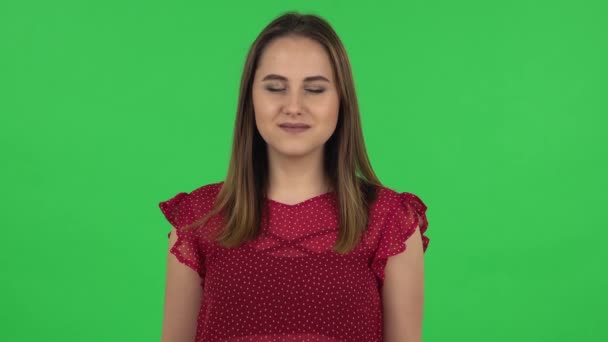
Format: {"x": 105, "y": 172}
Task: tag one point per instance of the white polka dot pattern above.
{"x": 187, "y": 249}
{"x": 408, "y": 213}
{"x": 288, "y": 285}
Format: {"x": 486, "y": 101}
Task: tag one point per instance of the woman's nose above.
{"x": 294, "y": 103}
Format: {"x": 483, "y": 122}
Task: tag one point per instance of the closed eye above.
{"x": 316, "y": 91}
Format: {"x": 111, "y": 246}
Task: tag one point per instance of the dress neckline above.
{"x": 301, "y": 203}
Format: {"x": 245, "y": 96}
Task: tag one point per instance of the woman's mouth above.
{"x": 294, "y": 128}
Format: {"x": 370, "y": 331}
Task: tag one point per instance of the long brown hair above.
{"x": 346, "y": 162}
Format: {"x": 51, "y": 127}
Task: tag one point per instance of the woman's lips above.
{"x": 294, "y": 127}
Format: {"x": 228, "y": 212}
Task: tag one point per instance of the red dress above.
{"x": 289, "y": 285}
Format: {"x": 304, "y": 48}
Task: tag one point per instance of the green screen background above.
{"x": 492, "y": 112}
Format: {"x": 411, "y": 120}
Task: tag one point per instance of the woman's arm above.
{"x": 403, "y": 293}
{"x": 182, "y": 299}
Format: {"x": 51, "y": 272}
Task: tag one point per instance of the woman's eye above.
{"x": 318, "y": 90}
{"x": 274, "y": 89}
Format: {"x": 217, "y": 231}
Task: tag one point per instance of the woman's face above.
{"x": 294, "y": 84}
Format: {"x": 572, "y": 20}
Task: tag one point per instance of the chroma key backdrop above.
{"x": 493, "y": 112}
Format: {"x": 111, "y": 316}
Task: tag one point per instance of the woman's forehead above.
{"x": 295, "y": 59}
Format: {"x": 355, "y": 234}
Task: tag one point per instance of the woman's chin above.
{"x": 295, "y": 151}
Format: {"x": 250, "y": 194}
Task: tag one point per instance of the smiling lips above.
{"x": 294, "y": 127}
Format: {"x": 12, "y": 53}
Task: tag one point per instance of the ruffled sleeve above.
{"x": 409, "y": 213}
{"x": 187, "y": 249}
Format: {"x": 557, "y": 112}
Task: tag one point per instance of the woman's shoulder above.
{"x": 402, "y": 213}
{"x": 388, "y": 200}
{"x": 184, "y": 207}
{"x": 205, "y": 193}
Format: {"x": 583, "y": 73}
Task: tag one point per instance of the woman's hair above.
{"x": 346, "y": 163}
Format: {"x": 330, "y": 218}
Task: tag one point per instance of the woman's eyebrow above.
{"x": 283, "y": 78}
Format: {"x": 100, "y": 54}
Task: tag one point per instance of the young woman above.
{"x": 301, "y": 241}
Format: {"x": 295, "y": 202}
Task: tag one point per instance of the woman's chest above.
{"x": 277, "y": 274}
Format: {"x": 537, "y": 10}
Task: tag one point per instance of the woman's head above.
{"x": 294, "y": 84}
{"x": 333, "y": 115}
{"x": 275, "y": 88}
